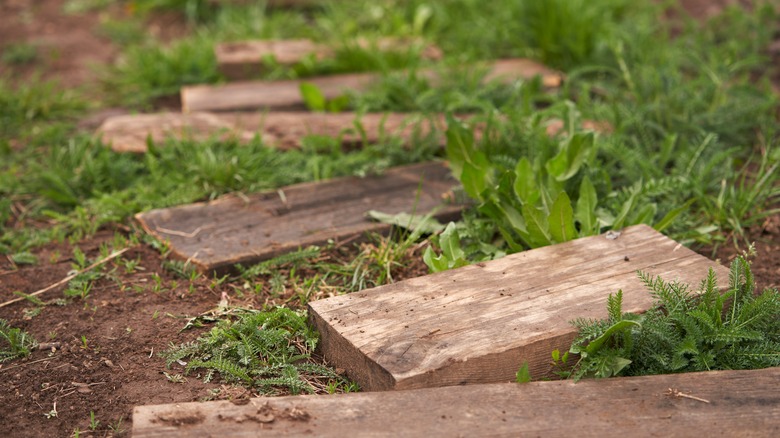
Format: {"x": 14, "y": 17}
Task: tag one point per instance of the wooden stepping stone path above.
{"x": 479, "y": 323}
{"x": 716, "y": 403}
{"x": 285, "y": 130}
{"x": 240, "y": 96}
{"x": 240, "y": 60}
{"x": 216, "y": 235}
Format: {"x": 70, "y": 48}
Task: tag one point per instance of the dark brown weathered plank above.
{"x": 233, "y": 229}
{"x": 478, "y": 323}
{"x": 243, "y": 59}
{"x": 736, "y": 403}
{"x": 285, "y": 130}
{"x": 240, "y": 96}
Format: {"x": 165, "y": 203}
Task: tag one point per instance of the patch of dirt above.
{"x": 69, "y": 47}
{"x": 66, "y": 45}
{"x": 104, "y": 358}
{"x": 766, "y": 264}
{"x": 106, "y": 362}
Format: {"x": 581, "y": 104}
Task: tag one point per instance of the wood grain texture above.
{"x": 216, "y": 235}
{"x": 284, "y": 130}
{"x": 741, "y": 403}
{"x": 477, "y": 324}
{"x": 244, "y": 59}
{"x": 252, "y": 95}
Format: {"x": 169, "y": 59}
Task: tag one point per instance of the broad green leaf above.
{"x": 312, "y": 96}
{"x": 525, "y": 182}
{"x": 510, "y": 241}
{"x": 671, "y": 216}
{"x": 556, "y": 166}
{"x": 586, "y": 208}
{"x": 523, "y": 374}
{"x": 513, "y": 217}
{"x": 561, "y": 219}
{"x": 460, "y": 145}
{"x": 473, "y": 180}
{"x": 435, "y": 263}
{"x": 449, "y": 241}
{"x": 569, "y": 160}
{"x": 538, "y": 228}
{"x": 645, "y": 214}
{"x": 421, "y": 224}
{"x": 619, "y": 326}
{"x": 338, "y": 104}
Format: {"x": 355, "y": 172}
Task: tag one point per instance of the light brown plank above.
{"x": 243, "y": 59}
{"x": 216, "y": 235}
{"x": 477, "y": 324}
{"x": 239, "y": 96}
{"x": 741, "y": 403}
{"x": 285, "y": 130}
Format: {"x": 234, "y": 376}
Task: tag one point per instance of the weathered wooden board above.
{"x": 243, "y": 59}
{"x": 251, "y": 95}
{"x": 477, "y": 324}
{"x": 736, "y": 403}
{"x": 285, "y": 130}
{"x": 218, "y": 234}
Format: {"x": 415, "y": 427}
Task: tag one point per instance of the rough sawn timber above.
{"x": 733, "y": 403}
{"x": 253, "y": 95}
{"x": 284, "y": 130}
{"x": 243, "y": 59}
{"x": 479, "y": 323}
{"x": 216, "y": 235}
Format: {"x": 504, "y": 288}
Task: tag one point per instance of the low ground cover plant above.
{"x": 268, "y": 351}
{"x": 686, "y": 330}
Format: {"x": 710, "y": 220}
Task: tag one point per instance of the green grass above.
{"x": 14, "y": 342}
{"x": 19, "y": 54}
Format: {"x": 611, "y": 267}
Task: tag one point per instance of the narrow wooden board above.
{"x": 243, "y": 59}
{"x": 216, "y": 235}
{"x": 240, "y": 96}
{"x": 737, "y": 403}
{"x": 284, "y": 130}
{"x": 477, "y": 324}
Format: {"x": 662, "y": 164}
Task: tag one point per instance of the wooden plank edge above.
{"x": 240, "y": 60}
{"x": 713, "y": 403}
{"x": 502, "y": 70}
{"x": 129, "y": 133}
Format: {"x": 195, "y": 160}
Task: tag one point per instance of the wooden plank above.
{"x": 738, "y": 403}
{"x": 285, "y": 130}
{"x": 477, "y": 324}
{"x": 240, "y": 96}
{"x": 243, "y": 59}
{"x": 238, "y": 229}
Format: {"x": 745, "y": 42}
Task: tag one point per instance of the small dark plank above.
{"x": 736, "y": 403}
{"x": 218, "y": 234}
{"x": 477, "y": 324}
{"x": 251, "y": 95}
{"x": 285, "y": 130}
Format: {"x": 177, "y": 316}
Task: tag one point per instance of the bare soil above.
{"x": 104, "y": 360}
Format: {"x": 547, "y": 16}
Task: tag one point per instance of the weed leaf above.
{"x": 561, "y": 219}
